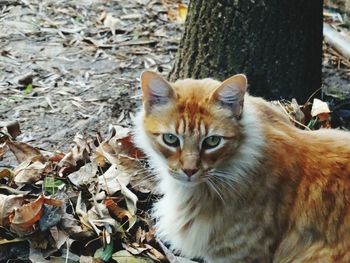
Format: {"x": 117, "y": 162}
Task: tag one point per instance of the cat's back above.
{"x": 316, "y": 165}
{"x": 313, "y": 181}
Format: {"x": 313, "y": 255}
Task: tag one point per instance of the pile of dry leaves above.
{"x": 87, "y": 205}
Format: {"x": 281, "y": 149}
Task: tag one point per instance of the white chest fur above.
{"x": 182, "y": 228}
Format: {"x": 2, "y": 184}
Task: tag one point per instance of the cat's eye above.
{"x": 171, "y": 139}
{"x": 211, "y": 142}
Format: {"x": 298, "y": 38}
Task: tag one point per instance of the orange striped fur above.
{"x": 268, "y": 192}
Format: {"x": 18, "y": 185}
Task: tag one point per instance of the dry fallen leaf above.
{"x": 135, "y": 248}
{"x": 23, "y": 151}
{"x": 130, "y": 198}
{"x": 182, "y": 12}
{"x": 120, "y": 213}
{"x": 67, "y": 164}
{"x": 89, "y": 259}
{"x": 30, "y": 171}
{"x": 10, "y": 129}
{"x": 8, "y": 203}
{"x": 80, "y": 152}
{"x": 123, "y": 256}
{"x": 59, "y": 236}
{"x": 105, "y": 152}
{"x": 85, "y": 175}
{"x": 129, "y": 147}
{"x": 319, "y": 107}
{"x": 24, "y": 218}
{"x": 297, "y": 113}
{"x": 6, "y": 173}
{"x": 98, "y": 215}
{"x": 113, "y": 179}
{"x": 74, "y": 228}
{"x": 3, "y": 149}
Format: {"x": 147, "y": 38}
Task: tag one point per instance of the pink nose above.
{"x": 190, "y": 172}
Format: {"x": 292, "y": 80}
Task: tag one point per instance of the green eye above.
{"x": 211, "y": 142}
{"x": 171, "y": 139}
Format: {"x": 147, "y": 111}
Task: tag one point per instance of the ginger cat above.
{"x": 239, "y": 182}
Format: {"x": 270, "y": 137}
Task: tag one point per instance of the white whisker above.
{"x": 228, "y": 181}
{"x": 213, "y": 187}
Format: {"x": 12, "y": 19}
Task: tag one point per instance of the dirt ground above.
{"x": 83, "y": 59}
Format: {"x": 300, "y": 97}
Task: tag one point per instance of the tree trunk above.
{"x": 277, "y": 44}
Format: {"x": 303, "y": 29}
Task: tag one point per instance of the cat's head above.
{"x": 192, "y": 125}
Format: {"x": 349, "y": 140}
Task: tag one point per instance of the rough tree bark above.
{"x": 277, "y": 44}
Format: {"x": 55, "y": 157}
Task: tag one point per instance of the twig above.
{"x": 313, "y": 94}
{"x": 336, "y": 40}
{"x": 291, "y": 118}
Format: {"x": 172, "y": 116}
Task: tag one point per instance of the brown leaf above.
{"x": 298, "y": 114}
{"x": 8, "y": 203}
{"x": 129, "y": 147}
{"x": 53, "y": 201}
{"x": 105, "y": 152}
{"x": 59, "y": 236}
{"x": 80, "y": 152}
{"x": 23, "y": 151}
{"x": 120, "y": 213}
{"x": 11, "y": 129}
{"x": 134, "y": 248}
{"x": 41, "y": 240}
{"x": 57, "y": 157}
{"x": 74, "y": 228}
{"x": 3, "y": 149}
{"x": 25, "y": 217}
{"x": 30, "y": 171}
{"x": 182, "y": 12}
{"x": 6, "y": 173}
{"x": 67, "y": 164}
{"x": 119, "y": 149}
{"x": 324, "y": 117}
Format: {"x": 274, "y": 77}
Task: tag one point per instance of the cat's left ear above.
{"x": 156, "y": 90}
{"x": 231, "y": 92}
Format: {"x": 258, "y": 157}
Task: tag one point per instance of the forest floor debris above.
{"x": 69, "y": 69}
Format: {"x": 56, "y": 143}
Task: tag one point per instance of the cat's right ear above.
{"x": 230, "y": 94}
{"x": 155, "y": 89}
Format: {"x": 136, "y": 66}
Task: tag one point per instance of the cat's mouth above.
{"x": 195, "y": 179}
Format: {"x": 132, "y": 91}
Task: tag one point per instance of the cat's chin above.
{"x": 187, "y": 181}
